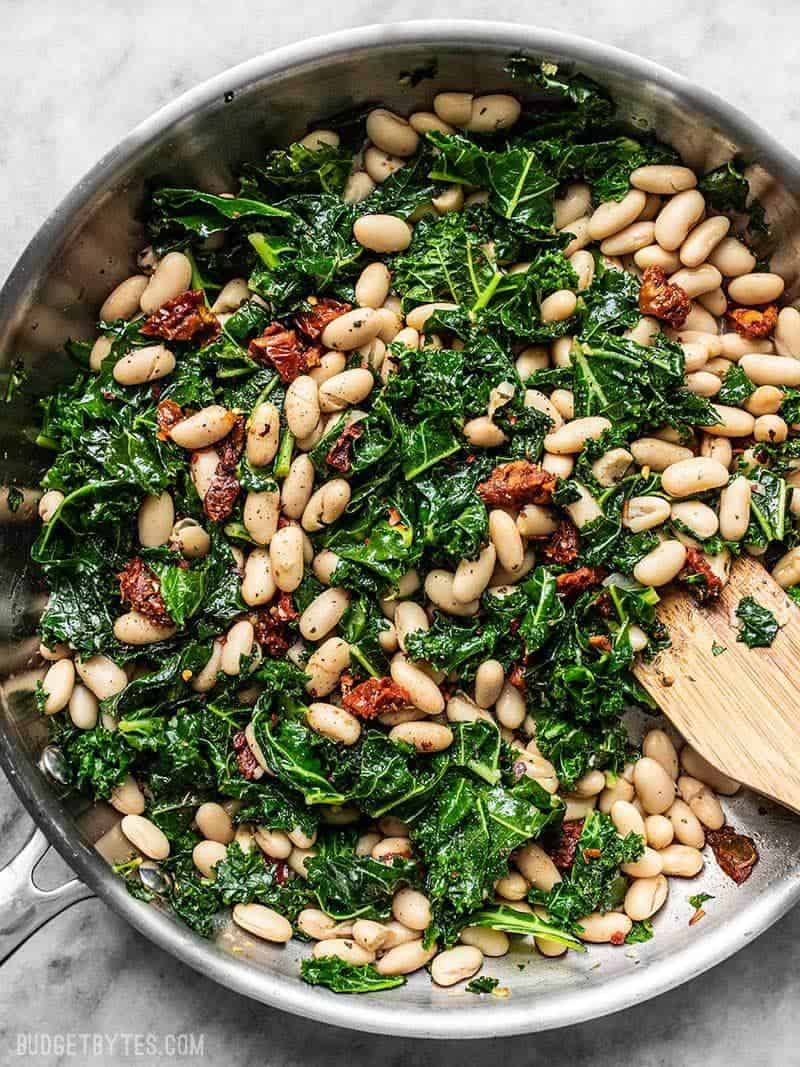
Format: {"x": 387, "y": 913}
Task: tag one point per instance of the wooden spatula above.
{"x": 740, "y": 708}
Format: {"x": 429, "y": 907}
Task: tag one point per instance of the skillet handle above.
{"x": 24, "y": 907}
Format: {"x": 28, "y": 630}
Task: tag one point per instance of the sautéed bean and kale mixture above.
{"x": 357, "y": 513}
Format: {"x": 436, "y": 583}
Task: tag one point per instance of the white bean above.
{"x": 615, "y": 215}
{"x": 127, "y": 797}
{"x": 658, "y": 745}
{"x": 412, "y": 909}
{"x": 645, "y": 897}
{"x": 325, "y": 666}
{"x": 425, "y": 737}
{"x": 382, "y": 233}
{"x": 323, "y": 613}
{"x": 677, "y": 218}
{"x": 58, "y": 684}
{"x": 734, "y": 509}
{"x": 631, "y": 239}
{"x": 733, "y": 422}
{"x": 456, "y": 965}
{"x": 472, "y": 576}
{"x": 686, "y": 825}
{"x": 123, "y": 301}
{"x": 263, "y": 922}
{"x": 101, "y": 675}
{"x": 391, "y": 133}
{"x": 302, "y": 405}
{"x": 155, "y": 520}
{"x": 83, "y": 708}
{"x": 701, "y": 520}
{"x": 732, "y": 258}
{"x": 238, "y": 645}
{"x": 204, "y": 428}
{"x": 342, "y": 390}
{"x": 702, "y": 241}
{"x": 380, "y": 165}
{"x": 489, "y": 680}
{"x": 681, "y": 861}
{"x": 644, "y": 512}
{"x": 134, "y": 628}
{"x": 423, "y": 692}
{"x": 260, "y": 515}
{"x": 372, "y": 286}
{"x": 691, "y": 476}
{"x": 202, "y": 468}
{"x": 326, "y": 505}
{"x": 654, "y": 786}
{"x": 334, "y": 723}
{"x": 493, "y": 943}
{"x": 764, "y": 369}
{"x": 493, "y": 112}
{"x": 600, "y": 928}
{"x": 145, "y": 836}
{"x": 663, "y": 178}
{"x": 142, "y": 365}
{"x": 627, "y": 819}
{"x": 558, "y": 306}
{"x": 214, "y": 823}
{"x": 172, "y": 276}
{"x": 206, "y": 855}
{"x": 787, "y": 332}
{"x": 698, "y": 767}
{"x": 572, "y": 436}
{"x": 439, "y": 590}
{"x": 756, "y": 288}
{"x": 658, "y": 455}
{"x": 695, "y": 281}
{"x": 286, "y": 558}
{"x": 263, "y": 431}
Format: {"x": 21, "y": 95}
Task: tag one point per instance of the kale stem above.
{"x": 284, "y": 457}
{"x": 85, "y": 490}
{"x": 487, "y": 294}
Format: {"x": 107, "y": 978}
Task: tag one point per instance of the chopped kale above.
{"x": 758, "y": 626}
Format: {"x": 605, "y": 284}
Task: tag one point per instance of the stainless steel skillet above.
{"x": 88, "y": 244}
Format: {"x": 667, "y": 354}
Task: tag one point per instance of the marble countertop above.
{"x": 75, "y": 78}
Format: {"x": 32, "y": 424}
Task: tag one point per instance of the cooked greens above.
{"x": 354, "y": 767}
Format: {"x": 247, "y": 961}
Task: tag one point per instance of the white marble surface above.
{"x": 74, "y": 78}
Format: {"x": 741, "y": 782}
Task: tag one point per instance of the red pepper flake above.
{"x": 698, "y": 915}
{"x": 754, "y": 323}
{"x": 340, "y": 455}
{"x": 283, "y": 349}
{"x": 245, "y": 760}
{"x": 736, "y": 853}
{"x": 281, "y": 872}
{"x": 323, "y": 310}
{"x": 617, "y": 938}
{"x": 376, "y": 696}
{"x": 183, "y": 318}
{"x": 140, "y": 587}
{"x": 591, "y": 854}
{"x": 562, "y": 545}
{"x": 168, "y": 415}
{"x": 563, "y": 852}
{"x": 520, "y": 482}
{"x": 574, "y": 582}
{"x": 663, "y": 300}
{"x": 696, "y": 564}
{"x": 395, "y": 518}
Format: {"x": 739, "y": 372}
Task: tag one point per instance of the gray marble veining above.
{"x": 75, "y": 78}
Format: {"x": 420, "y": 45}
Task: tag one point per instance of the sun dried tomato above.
{"x": 323, "y": 310}
{"x": 520, "y": 482}
{"x": 709, "y": 586}
{"x": 221, "y": 494}
{"x": 271, "y": 625}
{"x": 140, "y": 587}
{"x": 183, "y": 318}
{"x": 516, "y": 677}
{"x": 663, "y": 300}
{"x": 284, "y": 350}
{"x": 231, "y": 446}
{"x": 374, "y": 697}
{"x": 245, "y": 760}
{"x": 562, "y": 545}
{"x": 754, "y": 323}
{"x": 736, "y": 853}
{"x": 562, "y": 853}
{"x": 340, "y": 454}
{"x": 168, "y": 415}
{"x": 576, "y": 581}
